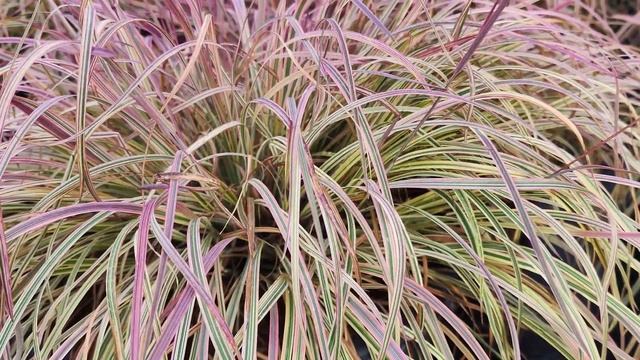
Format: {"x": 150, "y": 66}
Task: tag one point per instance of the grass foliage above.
{"x": 189, "y": 179}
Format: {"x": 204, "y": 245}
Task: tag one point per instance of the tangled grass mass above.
{"x": 337, "y": 179}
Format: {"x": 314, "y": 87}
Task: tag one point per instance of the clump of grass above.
{"x": 338, "y": 179}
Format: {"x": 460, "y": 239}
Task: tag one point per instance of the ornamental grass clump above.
{"x": 318, "y": 179}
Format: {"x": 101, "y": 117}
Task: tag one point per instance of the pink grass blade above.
{"x": 274, "y": 334}
{"x": 182, "y": 303}
{"x": 555, "y": 280}
{"x": 170, "y": 213}
{"x": 229, "y": 346}
{"x": 139, "y": 275}
{"x": 493, "y": 15}
{"x": 37, "y": 221}
{"x": 86, "y": 42}
{"x": 369, "y": 14}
